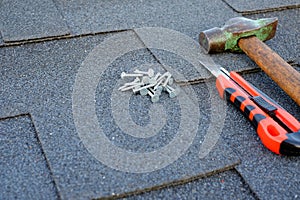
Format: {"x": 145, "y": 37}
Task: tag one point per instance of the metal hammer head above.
{"x": 226, "y": 38}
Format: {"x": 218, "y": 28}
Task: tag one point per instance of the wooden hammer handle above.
{"x": 273, "y": 65}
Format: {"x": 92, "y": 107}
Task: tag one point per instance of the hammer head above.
{"x": 226, "y": 38}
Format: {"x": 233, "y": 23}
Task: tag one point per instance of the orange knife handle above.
{"x": 272, "y": 135}
{"x": 291, "y": 122}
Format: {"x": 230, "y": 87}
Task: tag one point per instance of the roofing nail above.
{"x": 158, "y": 92}
{"x": 171, "y": 81}
{"x": 152, "y": 81}
{"x": 167, "y": 80}
{"x": 157, "y": 75}
{"x": 123, "y": 75}
{"x": 146, "y": 80}
{"x": 159, "y": 88}
{"x": 144, "y": 92}
{"x": 144, "y": 87}
{"x": 150, "y": 72}
{"x": 135, "y": 86}
{"x": 136, "y": 81}
{"x": 158, "y": 84}
{"x": 154, "y": 97}
{"x": 163, "y": 76}
{"x": 172, "y": 92}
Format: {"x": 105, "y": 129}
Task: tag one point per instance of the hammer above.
{"x": 242, "y": 34}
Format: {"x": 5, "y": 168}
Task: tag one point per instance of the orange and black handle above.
{"x": 278, "y": 130}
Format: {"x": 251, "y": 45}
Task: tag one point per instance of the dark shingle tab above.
{"x": 248, "y": 7}
{"x": 24, "y": 171}
{"x": 226, "y": 185}
{"x": 187, "y": 16}
{"x": 26, "y": 20}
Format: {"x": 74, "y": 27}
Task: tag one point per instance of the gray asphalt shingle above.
{"x": 261, "y": 5}
{"x": 25, "y": 20}
{"x": 41, "y": 77}
{"x": 24, "y": 170}
{"x": 226, "y": 185}
{"x": 1, "y": 40}
{"x": 187, "y": 16}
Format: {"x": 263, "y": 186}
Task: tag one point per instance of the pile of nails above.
{"x": 149, "y": 83}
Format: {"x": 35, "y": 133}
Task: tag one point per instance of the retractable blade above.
{"x": 278, "y": 130}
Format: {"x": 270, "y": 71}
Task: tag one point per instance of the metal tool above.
{"x": 278, "y": 130}
{"x": 242, "y": 34}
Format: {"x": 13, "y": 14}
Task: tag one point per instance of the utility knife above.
{"x": 278, "y": 130}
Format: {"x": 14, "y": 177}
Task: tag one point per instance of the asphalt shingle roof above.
{"x": 39, "y": 131}
{"x": 54, "y": 65}
{"x": 25, "y": 20}
{"x": 24, "y": 170}
{"x": 261, "y": 6}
